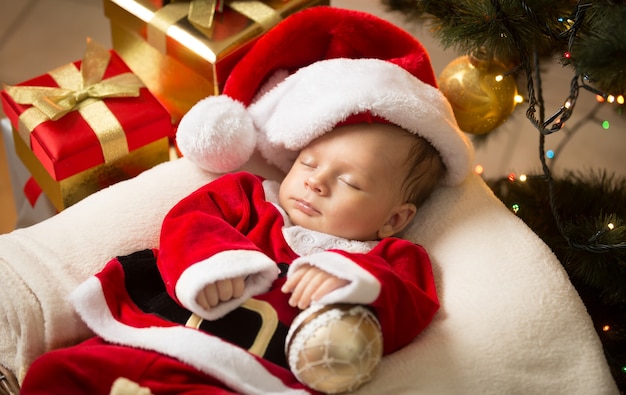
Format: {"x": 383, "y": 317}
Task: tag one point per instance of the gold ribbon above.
{"x": 201, "y": 14}
{"x": 80, "y": 90}
{"x": 258, "y": 11}
{"x": 76, "y": 88}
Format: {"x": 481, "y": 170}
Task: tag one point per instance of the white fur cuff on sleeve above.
{"x": 363, "y": 288}
{"x": 260, "y": 271}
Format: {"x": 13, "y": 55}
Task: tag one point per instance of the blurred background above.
{"x": 39, "y": 35}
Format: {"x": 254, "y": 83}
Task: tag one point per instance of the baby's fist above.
{"x": 221, "y": 291}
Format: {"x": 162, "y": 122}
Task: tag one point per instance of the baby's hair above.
{"x": 424, "y": 170}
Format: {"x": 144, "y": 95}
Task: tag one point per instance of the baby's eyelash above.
{"x": 350, "y": 184}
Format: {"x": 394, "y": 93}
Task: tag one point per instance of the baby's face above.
{"x": 348, "y": 182}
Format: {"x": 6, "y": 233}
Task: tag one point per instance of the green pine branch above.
{"x": 592, "y": 32}
{"x": 599, "y": 50}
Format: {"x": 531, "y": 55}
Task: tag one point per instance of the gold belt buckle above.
{"x": 268, "y": 316}
{"x": 8, "y": 382}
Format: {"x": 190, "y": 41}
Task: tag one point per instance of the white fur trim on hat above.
{"x": 312, "y": 101}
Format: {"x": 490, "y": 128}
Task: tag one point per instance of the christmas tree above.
{"x": 582, "y": 217}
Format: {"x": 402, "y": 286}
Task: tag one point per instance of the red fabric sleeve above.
{"x": 408, "y": 299}
{"x": 229, "y": 213}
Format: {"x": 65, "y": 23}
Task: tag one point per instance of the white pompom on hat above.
{"x": 318, "y": 69}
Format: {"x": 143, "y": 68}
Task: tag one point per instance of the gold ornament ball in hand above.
{"x": 334, "y": 348}
{"x": 480, "y": 95}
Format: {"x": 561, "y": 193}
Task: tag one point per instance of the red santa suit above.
{"x": 152, "y": 331}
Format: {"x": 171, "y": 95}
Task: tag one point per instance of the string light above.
{"x": 518, "y": 99}
{"x": 611, "y": 99}
{"x": 479, "y": 169}
{"x": 606, "y": 125}
{"x": 515, "y": 208}
{"x": 566, "y": 21}
{"x": 499, "y": 77}
{"x": 549, "y": 154}
{"x": 511, "y": 177}
{"x": 606, "y": 328}
{"x": 522, "y": 178}
{"x": 610, "y": 226}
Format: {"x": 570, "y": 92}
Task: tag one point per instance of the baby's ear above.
{"x": 398, "y": 219}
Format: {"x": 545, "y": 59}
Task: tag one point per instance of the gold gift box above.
{"x": 180, "y": 62}
{"x": 68, "y": 191}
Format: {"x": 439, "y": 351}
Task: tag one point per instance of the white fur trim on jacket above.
{"x": 231, "y": 364}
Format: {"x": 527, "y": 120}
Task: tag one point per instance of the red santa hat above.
{"x": 318, "y": 69}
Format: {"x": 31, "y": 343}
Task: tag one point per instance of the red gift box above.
{"x": 109, "y": 116}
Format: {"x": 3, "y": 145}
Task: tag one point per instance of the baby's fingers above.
{"x": 224, "y": 290}
{"x": 239, "y": 286}
{"x": 293, "y": 280}
{"x": 327, "y": 286}
{"x": 230, "y": 288}
{"x": 208, "y": 297}
{"x": 306, "y": 287}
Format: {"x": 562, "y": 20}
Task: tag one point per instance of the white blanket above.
{"x": 510, "y": 320}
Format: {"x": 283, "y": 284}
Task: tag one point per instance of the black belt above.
{"x": 253, "y": 326}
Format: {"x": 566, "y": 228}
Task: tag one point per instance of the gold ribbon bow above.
{"x": 54, "y": 103}
{"x": 80, "y": 90}
{"x": 201, "y": 14}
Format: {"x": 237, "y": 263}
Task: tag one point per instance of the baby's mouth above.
{"x": 306, "y": 207}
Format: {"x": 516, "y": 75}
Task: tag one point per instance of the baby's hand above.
{"x": 309, "y": 284}
{"x": 221, "y": 291}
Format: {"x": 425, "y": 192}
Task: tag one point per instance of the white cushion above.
{"x": 510, "y": 321}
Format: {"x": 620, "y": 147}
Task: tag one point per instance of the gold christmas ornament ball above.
{"x": 336, "y": 348}
{"x": 480, "y": 95}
